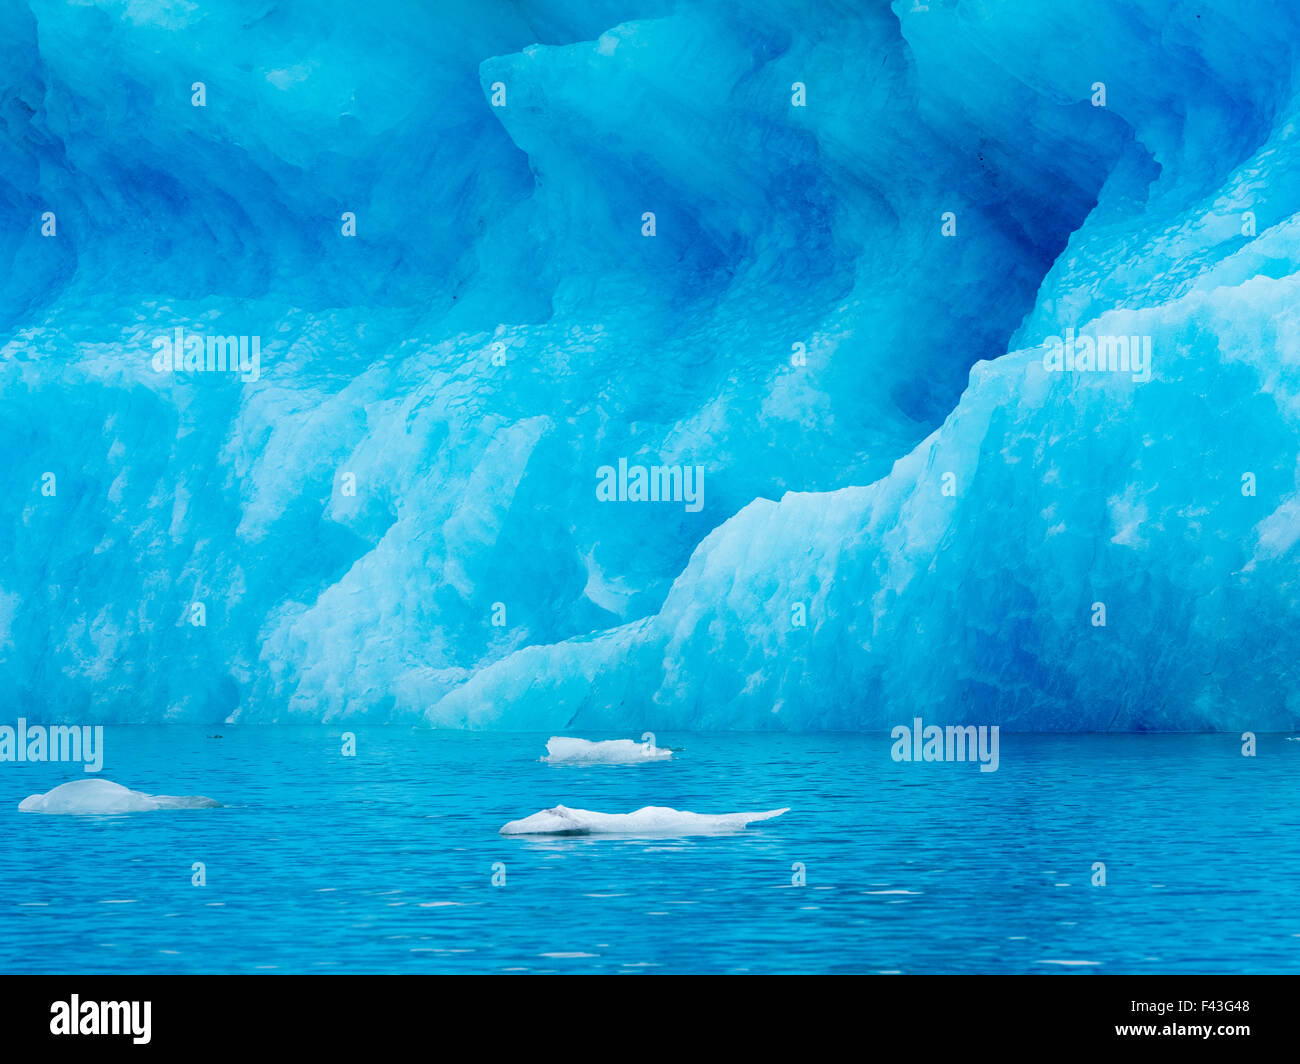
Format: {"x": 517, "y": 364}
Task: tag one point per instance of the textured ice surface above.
{"x": 652, "y": 820}
{"x": 562, "y": 750}
{"x": 498, "y": 329}
{"x": 105, "y": 796}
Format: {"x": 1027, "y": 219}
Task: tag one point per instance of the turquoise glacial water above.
{"x": 383, "y": 862}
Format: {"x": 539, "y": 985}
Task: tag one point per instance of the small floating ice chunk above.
{"x": 105, "y": 796}
{"x": 652, "y": 820}
{"x": 563, "y": 750}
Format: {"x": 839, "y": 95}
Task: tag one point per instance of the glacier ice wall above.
{"x": 417, "y": 458}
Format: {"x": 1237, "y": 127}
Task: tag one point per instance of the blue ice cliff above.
{"x": 852, "y": 268}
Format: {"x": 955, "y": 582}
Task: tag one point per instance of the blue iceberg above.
{"x": 971, "y": 328}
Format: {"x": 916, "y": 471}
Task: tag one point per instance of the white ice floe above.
{"x": 652, "y": 820}
{"x": 105, "y": 796}
{"x": 563, "y": 750}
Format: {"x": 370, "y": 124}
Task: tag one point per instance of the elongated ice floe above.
{"x": 561, "y": 750}
{"x": 652, "y": 820}
{"x": 105, "y": 796}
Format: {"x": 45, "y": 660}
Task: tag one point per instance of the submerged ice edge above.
{"x": 92, "y": 797}
{"x": 650, "y": 820}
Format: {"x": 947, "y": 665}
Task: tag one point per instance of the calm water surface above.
{"x": 383, "y": 862}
